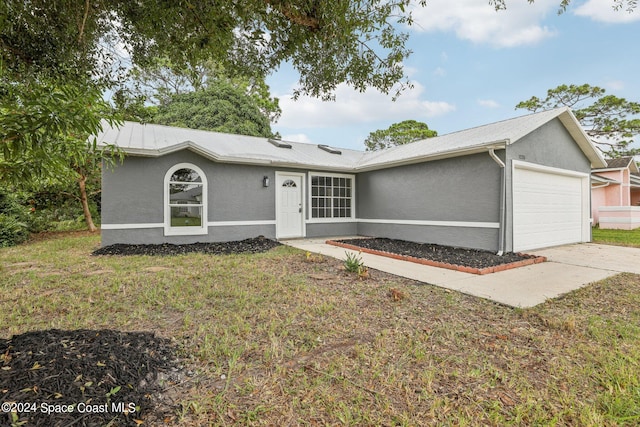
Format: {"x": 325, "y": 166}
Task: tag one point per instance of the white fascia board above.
{"x": 143, "y": 152}
{"x": 583, "y": 140}
{"x": 436, "y": 156}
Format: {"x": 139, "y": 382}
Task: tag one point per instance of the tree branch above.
{"x": 84, "y": 21}
{"x": 295, "y": 16}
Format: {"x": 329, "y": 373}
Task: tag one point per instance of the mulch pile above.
{"x": 110, "y": 377}
{"x": 445, "y": 254}
{"x": 249, "y": 246}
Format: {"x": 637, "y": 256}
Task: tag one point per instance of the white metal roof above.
{"x": 157, "y": 140}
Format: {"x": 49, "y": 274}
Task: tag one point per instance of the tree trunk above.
{"x": 85, "y": 203}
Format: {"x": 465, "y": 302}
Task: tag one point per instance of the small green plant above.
{"x": 354, "y": 263}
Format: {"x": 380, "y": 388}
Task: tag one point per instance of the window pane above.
{"x": 185, "y": 194}
{"x": 330, "y": 197}
{"x": 187, "y": 216}
{"x": 186, "y": 175}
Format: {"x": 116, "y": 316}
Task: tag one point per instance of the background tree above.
{"x": 398, "y": 134}
{"x": 160, "y": 81}
{"x": 220, "y": 107}
{"x": 611, "y": 122}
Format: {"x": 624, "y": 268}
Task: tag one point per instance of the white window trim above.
{"x": 185, "y": 231}
{"x": 351, "y": 218}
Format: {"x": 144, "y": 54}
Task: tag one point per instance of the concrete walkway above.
{"x": 568, "y": 268}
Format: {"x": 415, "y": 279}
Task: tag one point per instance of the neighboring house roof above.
{"x": 621, "y": 163}
{"x": 156, "y": 140}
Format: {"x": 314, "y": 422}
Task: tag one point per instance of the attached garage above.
{"x": 550, "y": 206}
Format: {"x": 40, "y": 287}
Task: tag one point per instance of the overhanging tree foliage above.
{"x": 611, "y": 122}
{"x": 398, "y": 134}
{"x": 83, "y": 43}
{"x": 620, "y": 5}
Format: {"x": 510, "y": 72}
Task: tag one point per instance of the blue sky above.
{"x": 471, "y": 65}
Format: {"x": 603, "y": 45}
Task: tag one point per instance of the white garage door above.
{"x": 550, "y": 206}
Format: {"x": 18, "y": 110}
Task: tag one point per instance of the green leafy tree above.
{"x": 398, "y": 134}
{"x": 159, "y": 82}
{"x": 611, "y": 122}
{"x": 85, "y": 44}
{"x": 221, "y": 107}
{"x": 45, "y": 128}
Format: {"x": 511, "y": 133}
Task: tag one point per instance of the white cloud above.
{"x": 440, "y": 72}
{"x": 297, "y": 137}
{"x": 614, "y": 85}
{"x": 602, "y": 11}
{"x": 352, "y": 107}
{"x": 488, "y": 103}
{"x": 479, "y": 22}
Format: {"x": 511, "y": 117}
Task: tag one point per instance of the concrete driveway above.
{"x": 604, "y": 257}
{"x": 568, "y": 268}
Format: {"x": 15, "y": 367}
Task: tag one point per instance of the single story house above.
{"x": 513, "y": 185}
{"x": 615, "y": 194}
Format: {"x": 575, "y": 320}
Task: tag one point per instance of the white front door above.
{"x": 289, "y": 206}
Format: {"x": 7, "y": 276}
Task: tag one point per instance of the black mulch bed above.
{"x": 45, "y": 371}
{"x": 248, "y": 246}
{"x": 457, "y": 256}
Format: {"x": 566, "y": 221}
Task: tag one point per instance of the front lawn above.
{"x": 288, "y": 338}
{"x": 617, "y": 237}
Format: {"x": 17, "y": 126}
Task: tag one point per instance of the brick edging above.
{"x": 531, "y": 259}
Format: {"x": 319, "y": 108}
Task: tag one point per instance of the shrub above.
{"x": 12, "y": 231}
{"x": 13, "y": 216}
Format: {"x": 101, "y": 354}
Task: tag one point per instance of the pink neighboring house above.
{"x": 615, "y": 194}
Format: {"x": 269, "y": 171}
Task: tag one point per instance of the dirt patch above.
{"x": 252, "y": 246}
{"x": 462, "y": 259}
{"x": 87, "y": 377}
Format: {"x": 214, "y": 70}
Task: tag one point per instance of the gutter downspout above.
{"x": 503, "y": 200}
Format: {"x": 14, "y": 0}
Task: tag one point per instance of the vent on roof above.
{"x": 278, "y": 143}
{"x": 329, "y": 149}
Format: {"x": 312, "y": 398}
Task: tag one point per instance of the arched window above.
{"x": 289, "y": 183}
{"x": 185, "y": 195}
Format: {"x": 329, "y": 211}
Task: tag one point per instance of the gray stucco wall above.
{"x": 332, "y": 229}
{"x": 550, "y": 145}
{"x": 133, "y": 193}
{"x": 464, "y": 189}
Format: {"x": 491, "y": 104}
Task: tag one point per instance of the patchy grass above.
{"x": 617, "y": 237}
{"x": 285, "y": 338}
